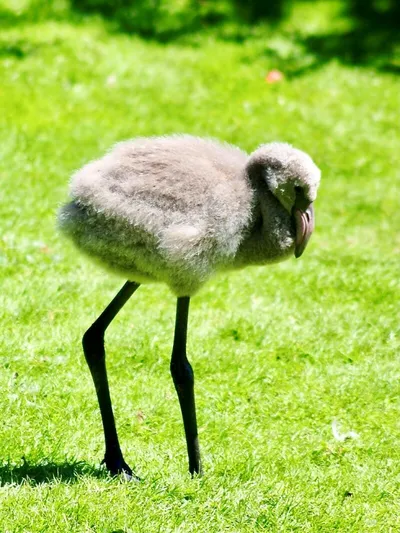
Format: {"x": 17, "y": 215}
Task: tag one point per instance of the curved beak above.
{"x": 304, "y": 221}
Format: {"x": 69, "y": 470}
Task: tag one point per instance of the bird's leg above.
{"x": 183, "y": 377}
{"x": 93, "y": 347}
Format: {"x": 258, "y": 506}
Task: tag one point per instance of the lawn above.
{"x": 280, "y": 353}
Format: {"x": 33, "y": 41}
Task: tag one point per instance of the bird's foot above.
{"x": 117, "y": 467}
{"x": 196, "y": 471}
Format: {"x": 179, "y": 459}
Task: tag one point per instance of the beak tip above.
{"x": 304, "y": 221}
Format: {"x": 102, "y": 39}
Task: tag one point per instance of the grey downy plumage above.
{"x": 179, "y": 209}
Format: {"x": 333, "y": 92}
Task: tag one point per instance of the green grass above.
{"x": 279, "y": 352}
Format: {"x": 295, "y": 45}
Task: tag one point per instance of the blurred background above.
{"x": 368, "y": 30}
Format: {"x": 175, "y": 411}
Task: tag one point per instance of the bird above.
{"x": 178, "y": 209}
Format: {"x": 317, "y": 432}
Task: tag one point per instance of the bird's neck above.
{"x": 269, "y": 237}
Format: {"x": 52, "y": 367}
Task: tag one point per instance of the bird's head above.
{"x": 293, "y": 178}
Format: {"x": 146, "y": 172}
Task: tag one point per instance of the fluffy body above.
{"x": 178, "y": 209}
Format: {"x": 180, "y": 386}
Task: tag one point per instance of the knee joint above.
{"x": 182, "y": 372}
{"x": 93, "y": 344}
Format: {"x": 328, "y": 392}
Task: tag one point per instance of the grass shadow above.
{"x": 369, "y": 40}
{"x": 17, "y": 50}
{"x": 47, "y": 472}
{"x": 364, "y": 45}
{"x": 8, "y": 19}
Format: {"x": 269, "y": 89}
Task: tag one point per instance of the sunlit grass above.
{"x": 279, "y": 353}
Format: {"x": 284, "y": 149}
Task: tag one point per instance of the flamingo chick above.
{"x": 177, "y": 209}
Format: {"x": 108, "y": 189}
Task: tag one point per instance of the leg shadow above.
{"x": 47, "y": 472}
